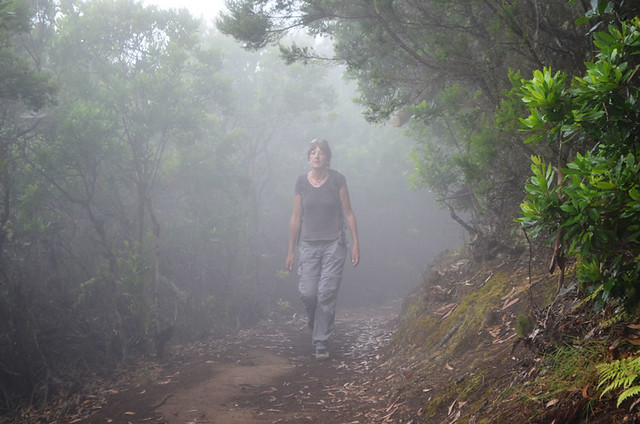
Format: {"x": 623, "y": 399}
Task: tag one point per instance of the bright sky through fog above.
{"x": 206, "y": 9}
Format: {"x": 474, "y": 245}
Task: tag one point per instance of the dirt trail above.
{"x": 265, "y": 375}
{"x": 214, "y": 397}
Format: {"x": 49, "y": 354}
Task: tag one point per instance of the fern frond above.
{"x": 615, "y": 319}
{"x": 630, "y": 392}
{"x": 619, "y": 381}
{"x": 589, "y": 298}
{"x": 620, "y": 374}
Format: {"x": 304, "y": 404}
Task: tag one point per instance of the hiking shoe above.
{"x": 322, "y": 354}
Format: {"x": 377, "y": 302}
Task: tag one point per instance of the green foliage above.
{"x": 540, "y": 197}
{"x": 566, "y": 368}
{"x": 283, "y": 306}
{"x": 14, "y": 16}
{"x": 460, "y": 154}
{"x": 604, "y": 11}
{"x": 545, "y": 97}
{"x": 147, "y": 373}
{"x": 597, "y": 203}
{"x": 523, "y": 325}
{"x": 133, "y": 279}
{"x": 441, "y": 63}
{"x": 621, "y": 373}
{"x": 246, "y": 21}
{"x": 19, "y": 80}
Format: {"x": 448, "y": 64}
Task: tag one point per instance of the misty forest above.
{"x": 491, "y": 150}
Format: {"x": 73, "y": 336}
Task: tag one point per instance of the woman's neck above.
{"x": 318, "y": 176}
{"x": 319, "y": 172}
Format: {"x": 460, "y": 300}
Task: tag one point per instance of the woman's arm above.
{"x": 350, "y": 219}
{"x": 294, "y": 229}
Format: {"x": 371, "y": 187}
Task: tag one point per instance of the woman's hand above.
{"x": 289, "y": 264}
{"x": 350, "y": 218}
{"x": 355, "y": 255}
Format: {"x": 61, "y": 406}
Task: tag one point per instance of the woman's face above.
{"x": 318, "y": 158}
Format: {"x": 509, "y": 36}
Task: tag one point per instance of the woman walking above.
{"x": 321, "y": 207}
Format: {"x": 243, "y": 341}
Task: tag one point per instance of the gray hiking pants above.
{"x": 320, "y": 271}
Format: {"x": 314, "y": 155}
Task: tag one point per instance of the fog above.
{"x": 148, "y": 181}
{"x": 401, "y": 229}
{"x": 148, "y": 162}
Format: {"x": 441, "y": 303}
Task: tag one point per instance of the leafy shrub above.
{"x": 593, "y": 201}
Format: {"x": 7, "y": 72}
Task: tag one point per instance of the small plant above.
{"x": 620, "y": 373}
{"x": 148, "y": 373}
{"x": 282, "y": 274}
{"x": 564, "y": 370}
{"x": 283, "y": 305}
{"x": 523, "y": 325}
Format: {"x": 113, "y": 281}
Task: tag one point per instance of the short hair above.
{"x": 323, "y": 145}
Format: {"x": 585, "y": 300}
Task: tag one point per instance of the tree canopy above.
{"x": 446, "y": 65}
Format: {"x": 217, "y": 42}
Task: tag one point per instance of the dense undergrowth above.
{"x": 463, "y": 340}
